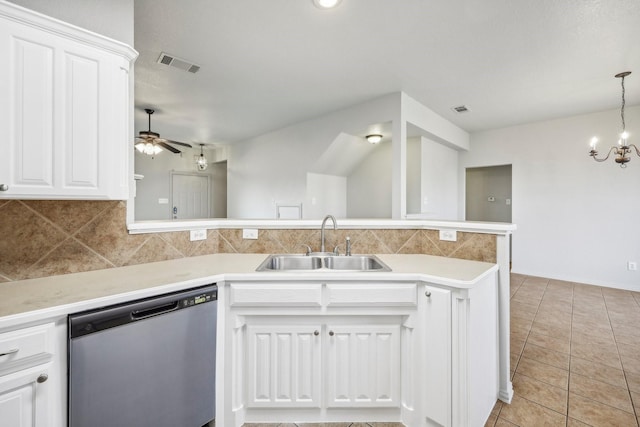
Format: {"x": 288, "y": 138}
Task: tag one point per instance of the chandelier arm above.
{"x": 635, "y": 148}
{"x": 594, "y": 153}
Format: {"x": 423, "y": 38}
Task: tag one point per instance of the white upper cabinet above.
{"x": 65, "y": 110}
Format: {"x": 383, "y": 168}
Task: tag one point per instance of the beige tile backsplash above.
{"x": 44, "y": 238}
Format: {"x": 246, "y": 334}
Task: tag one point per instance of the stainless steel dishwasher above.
{"x": 149, "y": 362}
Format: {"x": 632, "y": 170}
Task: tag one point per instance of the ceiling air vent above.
{"x": 461, "y": 109}
{"x": 179, "y": 63}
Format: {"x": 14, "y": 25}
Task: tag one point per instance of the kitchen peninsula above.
{"x": 418, "y": 344}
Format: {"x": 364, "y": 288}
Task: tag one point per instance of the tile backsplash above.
{"x": 49, "y": 237}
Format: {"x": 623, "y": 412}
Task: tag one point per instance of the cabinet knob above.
{"x": 42, "y": 378}
{"x": 331, "y": 333}
{"x": 427, "y": 294}
{"x": 4, "y": 187}
{"x": 316, "y": 332}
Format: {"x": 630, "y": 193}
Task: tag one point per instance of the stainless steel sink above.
{"x": 290, "y": 262}
{"x": 355, "y": 262}
{"x": 333, "y": 262}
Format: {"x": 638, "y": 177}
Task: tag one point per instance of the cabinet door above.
{"x": 363, "y": 365}
{"x": 283, "y": 366}
{"x": 61, "y": 120}
{"x": 23, "y": 400}
{"x": 437, "y": 350}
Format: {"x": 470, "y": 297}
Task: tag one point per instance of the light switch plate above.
{"x": 449, "y": 235}
{"x": 198, "y": 234}
{"x": 250, "y": 233}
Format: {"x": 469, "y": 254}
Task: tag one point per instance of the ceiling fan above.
{"x": 150, "y": 143}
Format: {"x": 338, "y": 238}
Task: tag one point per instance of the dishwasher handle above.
{"x": 154, "y": 311}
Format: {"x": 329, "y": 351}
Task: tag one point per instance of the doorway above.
{"x": 189, "y": 195}
{"x": 488, "y": 194}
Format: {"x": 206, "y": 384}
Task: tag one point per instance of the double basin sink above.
{"x": 323, "y": 261}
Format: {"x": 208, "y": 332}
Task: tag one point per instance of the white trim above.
{"x": 55, "y": 26}
{"x": 141, "y": 227}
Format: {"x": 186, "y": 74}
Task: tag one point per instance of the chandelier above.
{"x": 202, "y": 163}
{"x": 623, "y": 148}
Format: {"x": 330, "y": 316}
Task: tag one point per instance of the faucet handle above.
{"x": 308, "y": 248}
{"x": 336, "y": 251}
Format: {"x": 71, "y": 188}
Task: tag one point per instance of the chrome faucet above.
{"x": 324, "y": 223}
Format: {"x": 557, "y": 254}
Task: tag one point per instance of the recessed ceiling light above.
{"x": 326, "y": 4}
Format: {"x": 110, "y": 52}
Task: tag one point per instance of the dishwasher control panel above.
{"x": 103, "y": 318}
{"x": 199, "y": 299}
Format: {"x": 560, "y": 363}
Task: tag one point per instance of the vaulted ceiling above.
{"x": 266, "y": 64}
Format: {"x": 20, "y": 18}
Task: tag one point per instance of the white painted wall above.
{"x": 577, "y": 219}
{"x": 439, "y": 181}
{"x": 272, "y": 168}
{"x": 218, "y": 171}
{"x": 414, "y": 175}
{"x": 432, "y": 180}
{"x": 325, "y": 194}
{"x": 369, "y": 185}
{"x": 112, "y": 18}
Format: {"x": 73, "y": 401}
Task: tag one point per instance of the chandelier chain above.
{"x": 622, "y": 107}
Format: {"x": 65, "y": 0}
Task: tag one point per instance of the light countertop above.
{"x": 29, "y": 300}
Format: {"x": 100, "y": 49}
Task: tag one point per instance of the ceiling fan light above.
{"x": 140, "y": 146}
{"x": 148, "y": 148}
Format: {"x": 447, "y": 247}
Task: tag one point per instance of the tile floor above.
{"x": 575, "y": 355}
{"x": 575, "y": 358}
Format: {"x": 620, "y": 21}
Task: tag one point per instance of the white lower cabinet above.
{"x": 289, "y": 365}
{"x": 362, "y": 365}
{"x": 318, "y": 352}
{"x": 283, "y": 364}
{"x": 418, "y": 353}
{"x": 32, "y": 375}
{"x": 24, "y": 398}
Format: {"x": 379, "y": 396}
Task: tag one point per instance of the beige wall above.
{"x": 45, "y": 238}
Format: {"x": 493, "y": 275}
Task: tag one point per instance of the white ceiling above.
{"x": 267, "y": 64}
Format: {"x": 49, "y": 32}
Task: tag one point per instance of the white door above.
{"x": 190, "y": 196}
{"x": 283, "y": 366}
{"x": 363, "y": 365}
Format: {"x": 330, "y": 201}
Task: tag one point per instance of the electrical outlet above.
{"x": 250, "y": 233}
{"x": 198, "y": 234}
{"x": 632, "y": 266}
{"x": 449, "y": 235}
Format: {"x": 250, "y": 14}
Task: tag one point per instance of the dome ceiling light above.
{"x": 326, "y": 4}
{"x": 374, "y": 138}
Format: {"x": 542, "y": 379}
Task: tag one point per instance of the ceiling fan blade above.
{"x": 179, "y": 143}
{"x": 167, "y": 146}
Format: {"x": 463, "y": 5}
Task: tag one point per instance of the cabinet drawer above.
{"x": 275, "y": 294}
{"x": 378, "y": 294}
{"x": 26, "y": 344}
